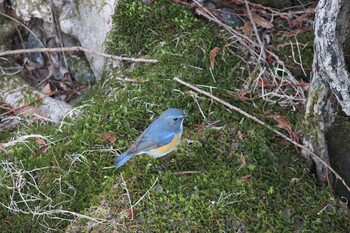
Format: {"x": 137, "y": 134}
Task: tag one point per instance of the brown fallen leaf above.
{"x": 239, "y": 134}
{"x": 233, "y": 151}
{"x": 47, "y": 89}
{"x": 212, "y": 55}
{"x": 258, "y": 20}
{"x": 64, "y": 86}
{"x": 40, "y": 141}
{"x": 108, "y": 137}
{"x": 246, "y": 178}
{"x": 42, "y": 147}
{"x": 101, "y": 122}
{"x": 131, "y": 213}
{"x": 31, "y": 111}
{"x": 283, "y": 123}
{"x": 261, "y": 21}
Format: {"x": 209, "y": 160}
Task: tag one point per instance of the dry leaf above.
{"x": 130, "y": 213}
{"x": 101, "y": 122}
{"x": 42, "y": 147}
{"x": 40, "y": 141}
{"x": 239, "y": 135}
{"x": 247, "y": 28}
{"x": 283, "y": 123}
{"x": 246, "y": 178}
{"x": 47, "y": 89}
{"x": 261, "y": 21}
{"x": 108, "y": 137}
{"x": 212, "y": 56}
{"x": 64, "y": 86}
{"x": 29, "y": 111}
{"x": 233, "y": 151}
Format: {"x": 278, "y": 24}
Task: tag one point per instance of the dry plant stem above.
{"x": 131, "y": 80}
{"x": 77, "y": 49}
{"x": 138, "y": 201}
{"x": 21, "y": 185}
{"x": 253, "y": 47}
{"x": 240, "y": 37}
{"x": 255, "y": 29}
{"x": 314, "y": 156}
{"x": 188, "y": 172}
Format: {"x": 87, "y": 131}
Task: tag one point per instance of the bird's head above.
{"x": 174, "y": 117}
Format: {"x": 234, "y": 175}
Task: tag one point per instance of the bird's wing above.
{"x": 147, "y": 142}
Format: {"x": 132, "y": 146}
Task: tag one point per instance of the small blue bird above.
{"x": 160, "y": 138}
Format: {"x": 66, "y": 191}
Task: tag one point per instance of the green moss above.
{"x": 271, "y": 192}
{"x": 297, "y": 53}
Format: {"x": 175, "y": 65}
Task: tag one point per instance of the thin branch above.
{"x": 188, "y": 172}
{"x": 314, "y": 156}
{"x": 261, "y": 44}
{"x": 131, "y": 80}
{"x": 77, "y": 49}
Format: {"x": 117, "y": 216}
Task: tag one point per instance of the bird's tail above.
{"x": 121, "y": 159}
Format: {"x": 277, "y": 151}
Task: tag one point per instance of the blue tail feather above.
{"x": 121, "y": 159}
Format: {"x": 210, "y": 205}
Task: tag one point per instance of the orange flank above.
{"x": 163, "y": 150}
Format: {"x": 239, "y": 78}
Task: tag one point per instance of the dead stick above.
{"x": 314, "y": 156}
{"x": 187, "y": 172}
{"x": 76, "y": 49}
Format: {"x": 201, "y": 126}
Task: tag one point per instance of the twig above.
{"x": 128, "y": 195}
{"x": 129, "y": 198}
{"x": 313, "y": 155}
{"x": 300, "y": 63}
{"x": 261, "y": 44}
{"x": 188, "y": 172}
{"x": 143, "y": 196}
{"x": 77, "y": 49}
{"x": 131, "y": 80}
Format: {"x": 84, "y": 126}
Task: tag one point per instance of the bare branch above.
{"x": 77, "y": 49}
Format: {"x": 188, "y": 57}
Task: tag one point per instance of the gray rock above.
{"x": 230, "y": 17}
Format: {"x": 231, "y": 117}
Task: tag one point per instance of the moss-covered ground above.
{"x": 243, "y": 178}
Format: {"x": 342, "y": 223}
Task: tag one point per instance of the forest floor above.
{"x": 229, "y": 174}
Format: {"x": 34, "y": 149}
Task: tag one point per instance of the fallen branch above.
{"x": 77, "y": 49}
{"x": 313, "y": 155}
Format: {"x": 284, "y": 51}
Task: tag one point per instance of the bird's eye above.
{"x": 175, "y": 119}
